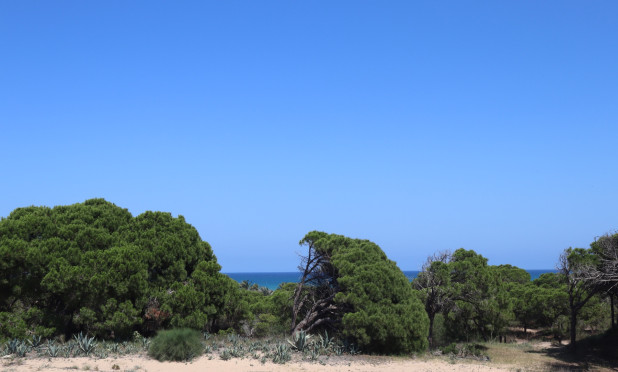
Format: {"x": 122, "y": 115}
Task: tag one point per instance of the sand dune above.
{"x": 334, "y": 364}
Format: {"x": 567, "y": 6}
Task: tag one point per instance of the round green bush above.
{"x": 176, "y": 344}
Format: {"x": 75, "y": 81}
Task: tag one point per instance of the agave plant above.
{"x": 68, "y": 349}
{"x": 237, "y": 352}
{"x": 114, "y": 347}
{"x": 315, "y": 354}
{"x": 22, "y": 349}
{"x": 52, "y": 349}
{"x": 353, "y": 349}
{"x": 300, "y": 341}
{"x": 35, "y": 341}
{"x": 225, "y": 354}
{"x": 282, "y": 354}
{"x": 11, "y": 346}
{"x": 326, "y": 342}
{"x": 85, "y": 344}
{"x": 145, "y": 343}
{"x": 338, "y": 350}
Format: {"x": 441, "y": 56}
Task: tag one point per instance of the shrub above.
{"x": 176, "y": 344}
{"x": 465, "y": 350}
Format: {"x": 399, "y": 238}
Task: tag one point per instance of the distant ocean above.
{"x": 272, "y": 280}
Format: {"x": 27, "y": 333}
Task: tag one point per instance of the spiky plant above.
{"x": 225, "y": 354}
{"x": 22, "y": 349}
{"x": 326, "y": 342}
{"x": 85, "y": 344}
{"x": 35, "y": 341}
{"x": 353, "y": 349}
{"x": 145, "y": 343}
{"x": 52, "y": 349}
{"x": 315, "y": 354}
{"x": 300, "y": 341}
{"x": 114, "y": 347}
{"x": 282, "y": 354}
{"x": 338, "y": 350}
{"x": 11, "y": 346}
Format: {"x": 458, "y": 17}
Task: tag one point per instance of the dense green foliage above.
{"x": 270, "y": 313}
{"x": 92, "y": 267}
{"x": 372, "y": 302}
{"x": 176, "y": 344}
{"x": 481, "y": 306}
{"x": 472, "y": 300}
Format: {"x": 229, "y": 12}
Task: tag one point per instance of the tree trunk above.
{"x": 430, "y": 337}
{"x": 611, "y": 299}
{"x": 573, "y": 329}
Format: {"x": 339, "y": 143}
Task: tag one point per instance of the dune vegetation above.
{"x": 91, "y": 279}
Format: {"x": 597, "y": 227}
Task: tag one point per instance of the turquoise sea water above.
{"x": 272, "y": 280}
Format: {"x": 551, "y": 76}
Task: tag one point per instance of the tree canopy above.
{"x": 350, "y": 285}
{"x": 94, "y": 267}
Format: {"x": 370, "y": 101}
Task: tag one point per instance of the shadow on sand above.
{"x": 594, "y": 352}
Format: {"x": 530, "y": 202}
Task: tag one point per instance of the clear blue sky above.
{"x": 422, "y": 126}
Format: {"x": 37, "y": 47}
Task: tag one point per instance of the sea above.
{"x": 272, "y": 280}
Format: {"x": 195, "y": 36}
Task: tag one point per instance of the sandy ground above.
{"x": 142, "y": 363}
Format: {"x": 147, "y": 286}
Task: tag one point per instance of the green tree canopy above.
{"x": 94, "y": 267}
{"x": 482, "y": 306}
{"x": 350, "y": 285}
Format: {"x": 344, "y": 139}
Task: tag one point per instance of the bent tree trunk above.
{"x": 314, "y": 295}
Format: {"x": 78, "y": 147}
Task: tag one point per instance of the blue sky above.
{"x": 421, "y": 126}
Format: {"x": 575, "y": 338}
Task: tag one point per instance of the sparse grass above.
{"x": 520, "y": 355}
{"x": 536, "y": 356}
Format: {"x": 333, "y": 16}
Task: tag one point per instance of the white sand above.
{"x": 143, "y": 363}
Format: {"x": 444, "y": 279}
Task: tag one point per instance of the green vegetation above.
{"x": 349, "y": 285}
{"x": 93, "y": 268}
{"x": 94, "y": 275}
{"x": 473, "y": 301}
{"x": 176, "y": 344}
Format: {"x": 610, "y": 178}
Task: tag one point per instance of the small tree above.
{"x": 606, "y": 274}
{"x": 575, "y": 266}
{"x": 481, "y": 305}
{"x": 433, "y": 286}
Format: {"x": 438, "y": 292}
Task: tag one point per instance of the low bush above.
{"x": 465, "y": 350}
{"x": 176, "y": 344}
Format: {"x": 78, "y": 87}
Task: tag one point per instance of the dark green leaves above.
{"x": 93, "y": 267}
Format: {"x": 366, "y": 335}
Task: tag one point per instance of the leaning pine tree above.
{"x": 350, "y": 286}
